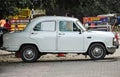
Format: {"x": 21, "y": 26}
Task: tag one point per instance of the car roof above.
{"x": 54, "y": 18}
{"x": 48, "y": 18}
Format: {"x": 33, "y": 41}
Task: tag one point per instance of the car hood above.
{"x": 100, "y": 33}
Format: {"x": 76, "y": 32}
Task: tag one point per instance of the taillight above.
{"x": 117, "y": 36}
{"x": 116, "y": 39}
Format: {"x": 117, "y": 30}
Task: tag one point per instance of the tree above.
{"x": 79, "y": 8}
{"x": 10, "y": 7}
{"x": 23, "y": 3}
{"x": 7, "y": 7}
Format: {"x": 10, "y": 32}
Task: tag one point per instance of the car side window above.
{"x": 45, "y": 26}
{"x": 67, "y": 26}
{"x": 37, "y": 27}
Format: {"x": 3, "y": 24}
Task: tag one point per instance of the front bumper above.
{"x": 116, "y": 44}
{"x": 111, "y": 50}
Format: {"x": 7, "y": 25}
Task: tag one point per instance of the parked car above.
{"x": 55, "y": 34}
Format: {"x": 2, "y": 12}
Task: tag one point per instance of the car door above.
{"x": 44, "y": 33}
{"x": 69, "y": 37}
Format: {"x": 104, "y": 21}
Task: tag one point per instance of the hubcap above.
{"x": 97, "y": 52}
{"x": 28, "y": 54}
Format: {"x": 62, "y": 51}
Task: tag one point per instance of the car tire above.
{"x": 39, "y": 55}
{"x": 97, "y": 51}
{"x": 29, "y": 53}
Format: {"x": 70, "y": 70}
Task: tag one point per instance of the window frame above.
{"x": 46, "y": 30}
{"x": 72, "y": 26}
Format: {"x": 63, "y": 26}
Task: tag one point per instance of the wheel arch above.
{"x": 97, "y": 43}
{"x": 29, "y": 44}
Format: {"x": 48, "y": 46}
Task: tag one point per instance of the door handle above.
{"x": 61, "y": 33}
{"x": 33, "y": 33}
{"x": 89, "y": 37}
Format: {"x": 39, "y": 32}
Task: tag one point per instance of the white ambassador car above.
{"x": 55, "y": 34}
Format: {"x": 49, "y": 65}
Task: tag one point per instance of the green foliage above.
{"x": 79, "y": 8}
{"x": 7, "y": 7}
{"x": 10, "y": 7}
{"x": 23, "y": 3}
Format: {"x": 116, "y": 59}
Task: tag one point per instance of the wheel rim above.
{"x": 28, "y": 54}
{"x": 97, "y": 52}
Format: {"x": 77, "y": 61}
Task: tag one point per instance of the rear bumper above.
{"x": 11, "y": 49}
{"x": 2, "y": 48}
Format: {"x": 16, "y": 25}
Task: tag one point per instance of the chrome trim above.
{"x": 111, "y": 50}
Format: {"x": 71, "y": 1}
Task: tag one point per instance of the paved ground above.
{"x": 109, "y": 67}
{"x": 51, "y": 66}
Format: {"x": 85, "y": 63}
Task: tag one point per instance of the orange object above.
{"x": 2, "y": 22}
{"x": 61, "y": 55}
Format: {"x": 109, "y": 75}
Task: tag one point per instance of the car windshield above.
{"x": 81, "y": 26}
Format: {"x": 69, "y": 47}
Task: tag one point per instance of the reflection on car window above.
{"x": 67, "y": 26}
{"x": 45, "y": 26}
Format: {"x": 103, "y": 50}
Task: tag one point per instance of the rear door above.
{"x": 44, "y": 33}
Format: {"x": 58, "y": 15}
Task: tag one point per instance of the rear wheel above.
{"x": 29, "y": 53}
{"x": 97, "y": 51}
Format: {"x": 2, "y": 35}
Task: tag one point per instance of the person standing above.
{"x": 7, "y": 26}
{"x": 2, "y": 23}
{"x": 114, "y": 24}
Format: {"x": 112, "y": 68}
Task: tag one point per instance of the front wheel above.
{"x": 97, "y": 51}
{"x": 29, "y": 53}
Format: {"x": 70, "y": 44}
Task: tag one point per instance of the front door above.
{"x": 69, "y": 37}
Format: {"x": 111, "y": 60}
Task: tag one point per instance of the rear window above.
{"x": 45, "y": 26}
